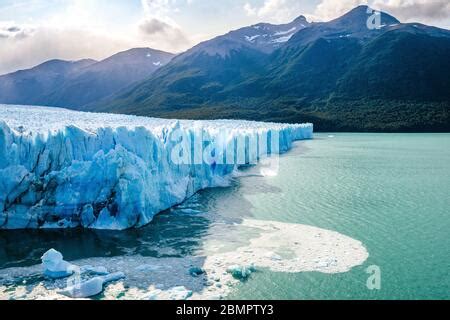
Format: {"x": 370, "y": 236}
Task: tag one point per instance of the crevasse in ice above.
{"x": 61, "y": 168}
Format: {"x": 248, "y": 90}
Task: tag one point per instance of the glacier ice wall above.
{"x": 61, "y": 168}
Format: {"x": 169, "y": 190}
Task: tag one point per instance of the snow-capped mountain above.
{"x": 264, "y": 37}
{"x": 269, "y": 37}
{"x": 209, "y": 67}
{"x": 330, "y": 73}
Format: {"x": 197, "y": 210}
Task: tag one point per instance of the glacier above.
{"x": 64, "y": 169}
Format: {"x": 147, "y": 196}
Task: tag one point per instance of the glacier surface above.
{"x": 62, "y": 169}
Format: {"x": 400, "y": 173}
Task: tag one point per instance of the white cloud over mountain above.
{"x": 77, "y": 32}
{"x": 158, "y": 27}
{"x": 276, "y": 10}
{"x": 435, "y": 12}
{"x": 32, "y": 31}
{"x": 425, "y": 11}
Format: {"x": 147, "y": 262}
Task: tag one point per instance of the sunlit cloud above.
{"x": 275, "y": 10}
{"x": 33, "y": 31}
{"x": 434, "y": 12}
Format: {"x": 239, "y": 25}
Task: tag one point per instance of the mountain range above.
{"x": 73, "y": 84}
{"x": 340, "y": 75}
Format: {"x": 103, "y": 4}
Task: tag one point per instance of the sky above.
{"x": 33, "y": 31}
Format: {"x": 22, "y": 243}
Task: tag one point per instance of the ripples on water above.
{"x": 390, "y": 191}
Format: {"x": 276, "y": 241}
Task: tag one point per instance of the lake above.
{"x": 389, "y": 191}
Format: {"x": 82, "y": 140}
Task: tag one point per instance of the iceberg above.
{"x": 91, "y": 287}
{"x": 154, "y": 294}
{"x": 66, "y": 169}
{"x": 54, "y": 265}
{"x": 241, "y": 272}
{"x": 196, "y": 271}
{"x": 101, "y": 270}
{"x": 175, "y": 293}
{"x": 179, "y": 293}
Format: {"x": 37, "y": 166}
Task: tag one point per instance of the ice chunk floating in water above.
{"x": 55, "y": 266}
{"x": 240, "y": 272}
{"x": 91, "y": 287}
{"x": 271, "y": 245}
{"x": 61, "y": 168}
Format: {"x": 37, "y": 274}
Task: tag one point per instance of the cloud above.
{"x": 436, "y": 12}
{"x": 158, "y": 28}
{"x": 9, "y": 30}
{"x": 251, "y": 11}
{"x": 427, "y": 11}
{"x": 330, "y": 9}
{"x": 162, "y": 9}
{"x": 71, "y": 31}
{"x": 13, "y": 29}
{"x": 275, "y": 10}
{"x": 78, "y": 31}
{"x": 154, "y": 26}
{"x": 21, "y": 50}
{"x": 158, "y": 33}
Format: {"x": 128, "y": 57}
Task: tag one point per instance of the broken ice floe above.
{"x": 196, "y": 271}
{"x": 241, "y": 272}
{"x": 275, "y": 246}
{"x": 55, "y": 267}
{"x": 91, "y": 287}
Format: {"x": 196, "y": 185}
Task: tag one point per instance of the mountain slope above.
{"x": 412, "y": 64}
{"x": 339, "y": 74}
{"x": 108, "y": 76}
{"x": 32, "y": 85}
{"x": 74, "y": 84}
{"x": 207, "y": 70}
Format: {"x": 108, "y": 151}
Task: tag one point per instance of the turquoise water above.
{"x": 390, "y": 191}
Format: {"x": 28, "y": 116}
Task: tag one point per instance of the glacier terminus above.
{"x": 66, "y": 169}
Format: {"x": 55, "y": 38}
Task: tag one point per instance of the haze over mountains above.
{"x": 340, "y": 74}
